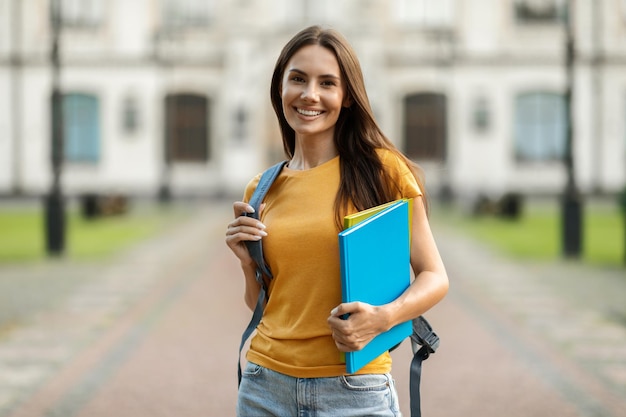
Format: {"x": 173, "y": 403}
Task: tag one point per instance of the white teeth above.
{"x": 309, "y": 112}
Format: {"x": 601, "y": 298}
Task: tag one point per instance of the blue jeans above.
{"x": 264, "y": 392}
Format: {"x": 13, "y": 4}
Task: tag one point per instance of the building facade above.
{"x": 174, "y": 94}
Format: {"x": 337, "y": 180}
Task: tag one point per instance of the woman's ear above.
{"x": 347, "y": 102}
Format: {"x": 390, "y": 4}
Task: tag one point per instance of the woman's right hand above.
{"x": 243, "y": 229}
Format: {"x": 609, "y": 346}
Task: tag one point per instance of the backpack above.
{"x": 424, "y": 340}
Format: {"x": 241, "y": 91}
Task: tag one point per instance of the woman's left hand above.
{"x": 364, "y": 323}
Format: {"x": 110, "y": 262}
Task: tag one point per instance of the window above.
{"x": 539, "y": 126}
{"x": 81, "y": 128}
{"x": 425, "y": 126}
{"x": 188, "y": 13}
{"x": 295, "y": 12}
{"x": 319, "y": 10}
{"x": 481, "y": 114}
{"x": 424, "y": 13}
{"x": 81, "y": 13}
{"x": 240, "y": 123}
{"x": 187, "y": 128}
{"x": 130, "y": 115}
{"x": 540, "y": 11}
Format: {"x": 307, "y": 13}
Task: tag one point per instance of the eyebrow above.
{"x": 299, "y": 71}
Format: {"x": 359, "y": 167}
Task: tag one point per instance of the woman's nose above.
{"x": 310, "y": 93}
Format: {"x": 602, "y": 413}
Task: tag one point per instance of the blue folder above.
{"x": 375, "y": 269}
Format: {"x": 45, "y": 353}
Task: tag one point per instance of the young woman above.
{"x": 339, "y": 163}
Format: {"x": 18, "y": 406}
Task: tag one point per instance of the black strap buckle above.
{"x": 423, "y": 335}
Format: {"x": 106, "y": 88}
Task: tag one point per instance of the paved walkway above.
{"x": 155, "y": 333}
{"x": 527, "y": 339}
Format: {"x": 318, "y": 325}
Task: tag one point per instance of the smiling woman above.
{"x": 339, "y": 162}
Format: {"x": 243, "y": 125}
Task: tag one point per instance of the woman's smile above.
{"x": 309, "y": 113}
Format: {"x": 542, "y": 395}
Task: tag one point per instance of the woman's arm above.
{"x": 428, "y": 288}
{"x": 431, "y": 279}
{"x": 240, "y": 230}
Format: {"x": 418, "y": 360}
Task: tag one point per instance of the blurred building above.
{"x": 174, "y": 94}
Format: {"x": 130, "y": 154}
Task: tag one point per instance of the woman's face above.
{"x": 313, "y": 92}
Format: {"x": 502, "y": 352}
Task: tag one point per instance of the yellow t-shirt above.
{"x": 302, "y": 251}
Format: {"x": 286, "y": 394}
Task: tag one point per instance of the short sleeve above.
{"x": 400, "y": 174}
{"x": 250, "y": 187}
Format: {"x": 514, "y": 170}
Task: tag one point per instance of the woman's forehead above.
{"x": 314, "y": 58}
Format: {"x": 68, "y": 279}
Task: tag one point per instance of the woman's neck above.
{"x": 310, "y": 154}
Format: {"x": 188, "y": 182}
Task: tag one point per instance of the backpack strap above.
{"x": 424, "y": 336}
{"x": 256, "y": 252}
{"x": 255, "y": 247}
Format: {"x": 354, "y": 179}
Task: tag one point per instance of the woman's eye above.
{"x": 329, "y": 83}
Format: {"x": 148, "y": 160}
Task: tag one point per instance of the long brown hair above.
{"x": 364, "y": 182}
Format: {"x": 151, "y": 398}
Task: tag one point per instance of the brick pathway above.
{"x": 156, "y": 332}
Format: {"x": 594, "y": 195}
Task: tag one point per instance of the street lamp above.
{"x": 572, "y": 199}
{"x": 164, "y": 194}
{"x": 54, "y": 203}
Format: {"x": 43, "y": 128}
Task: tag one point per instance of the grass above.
{"x": 537, "y": 235}
{"x": 22, "y": 235}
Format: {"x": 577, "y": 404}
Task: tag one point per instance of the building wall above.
{"x": 482, "y": 56}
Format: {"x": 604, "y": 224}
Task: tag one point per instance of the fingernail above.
{"x": 260, "y": 226}
{"x": 334, "y": 311}
{"x": 250, "y": 209}
{"x": 263, "y": 233}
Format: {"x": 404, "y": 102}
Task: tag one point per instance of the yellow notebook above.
{"x": 352, "y": 219}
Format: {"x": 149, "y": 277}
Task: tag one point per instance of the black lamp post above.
{"x": 54, "y": 202}
{"x": 572, "y": 204}
{"x": 164, "y": 194}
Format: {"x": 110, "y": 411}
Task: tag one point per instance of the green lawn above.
{"x": 22, "y": 233}
{"x": 537, "y": 235}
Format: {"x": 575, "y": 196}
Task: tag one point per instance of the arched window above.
{"x": 81, "y": 127}
{"x": 187, "y": 128}
{"x": 424, "y": 14}
{"x": 540, "y": 11}
{"x": 539, "y": 126}
{"x": 82, "y": 13}
{"x": 425, "y": 129}
{"x": 188, "y": 13}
